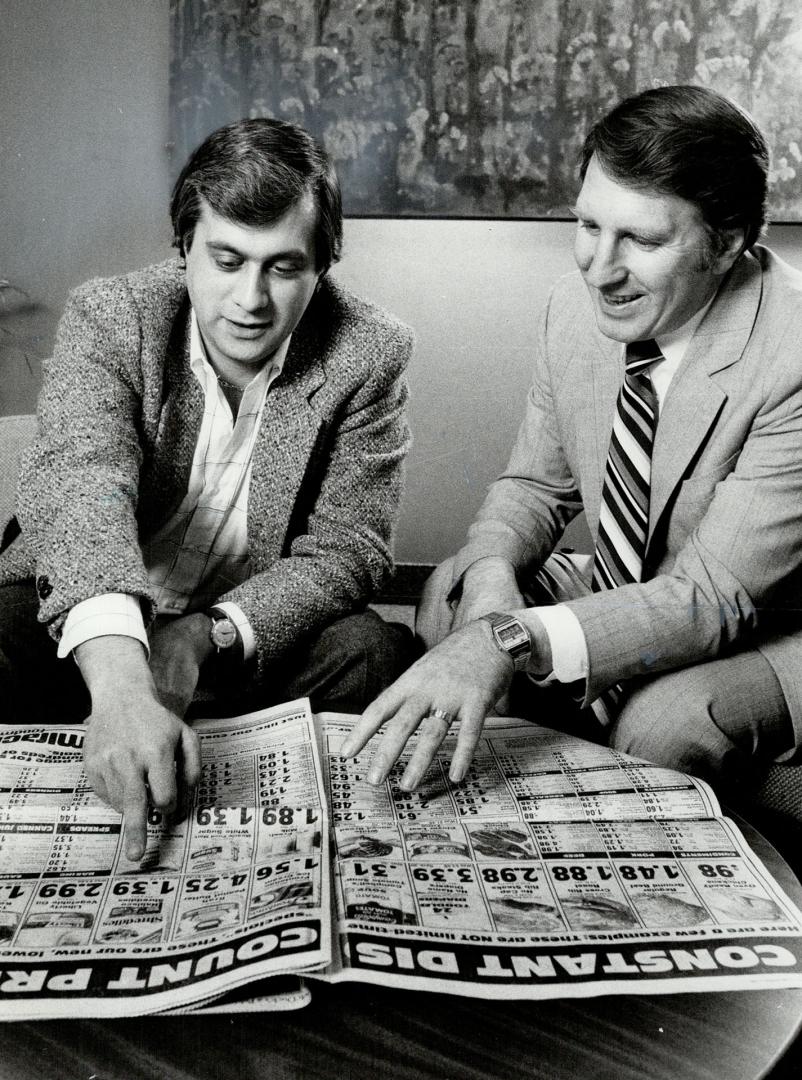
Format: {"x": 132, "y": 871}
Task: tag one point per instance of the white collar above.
{"x": 202, "y": 369}
{"x": 674, "y": 344}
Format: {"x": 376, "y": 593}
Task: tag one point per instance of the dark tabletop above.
{"x": 351, "y": 1032}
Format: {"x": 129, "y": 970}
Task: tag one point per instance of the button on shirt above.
{"x": 569, "y": 649}
{"x": 202, "y": 550}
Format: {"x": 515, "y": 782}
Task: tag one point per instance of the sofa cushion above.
{"x": 15, "y": 434}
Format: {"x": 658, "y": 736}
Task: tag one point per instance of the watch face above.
{"x": 223, "y": 633}
{"x": 512, "y": 635}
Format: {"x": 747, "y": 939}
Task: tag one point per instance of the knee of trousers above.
{"x": 349, "y": 664}
{"x": 365, "y": 637}
{"x": 671, "y": 721}
{"x": 434, "y": 613}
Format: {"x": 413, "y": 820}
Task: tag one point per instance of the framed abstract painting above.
{"x": 477, "y": 108}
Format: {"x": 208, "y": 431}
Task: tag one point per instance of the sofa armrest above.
{"x": 15, "y": 434}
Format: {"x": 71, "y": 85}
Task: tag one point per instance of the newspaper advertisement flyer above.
{"x": 233, "y": 890}
{"x": 557, "y": 868}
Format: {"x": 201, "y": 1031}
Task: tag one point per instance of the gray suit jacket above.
{"x": 725, "y": 532}
{"x": 118, "y": 421}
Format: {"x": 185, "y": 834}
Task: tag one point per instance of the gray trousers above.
{"x": 713, "y": 719}
{"x": 340, "y": 669}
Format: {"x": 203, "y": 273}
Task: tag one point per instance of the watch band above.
{"x": 511, "y": 637}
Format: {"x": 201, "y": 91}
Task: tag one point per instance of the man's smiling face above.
{"x": 647, "y": 259}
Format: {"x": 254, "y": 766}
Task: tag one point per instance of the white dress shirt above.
{"x": 569, "y": 651}
{"x": 202, "y": 550}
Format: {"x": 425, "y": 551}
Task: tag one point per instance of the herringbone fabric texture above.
{"x": 624, "y": 515}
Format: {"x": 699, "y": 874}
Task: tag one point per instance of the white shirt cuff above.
{"x": 111, "y": 613}
{"x": 235, "y": 613}
{"x": 569, "y": 649}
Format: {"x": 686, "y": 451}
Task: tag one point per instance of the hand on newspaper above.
{"x": 135, "y": 751}
{"x": 488, "y": 585}
{"x": 463, "y": 676}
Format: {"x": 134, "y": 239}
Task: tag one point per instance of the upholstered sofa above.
{"x": 15, "y": 433}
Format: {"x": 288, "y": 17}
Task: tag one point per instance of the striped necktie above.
{"x": 624, "y": 514}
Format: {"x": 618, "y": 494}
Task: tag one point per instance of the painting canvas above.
{"x": 477, "y": 108}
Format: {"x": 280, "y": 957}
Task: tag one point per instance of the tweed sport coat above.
{"x": 724, "y": 552}
{"x": 118, "y": 420}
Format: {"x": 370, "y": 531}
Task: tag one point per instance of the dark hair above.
{"x": 691, "y": 142}
{"x": 252, "y": 172}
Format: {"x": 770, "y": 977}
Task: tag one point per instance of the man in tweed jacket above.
{"x": 210, "y": 498}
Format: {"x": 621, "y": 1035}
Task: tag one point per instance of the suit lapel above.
{"x": 287, "y": 436}
{"x": 695, "y": 398}
{"x": 176, "y": 421}
{"x": 184, "y": 409}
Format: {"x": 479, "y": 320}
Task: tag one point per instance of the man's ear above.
{"x": 729, "y": 244}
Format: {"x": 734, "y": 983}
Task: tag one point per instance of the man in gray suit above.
{"x": 210, "y": 499}
{"x": 666, "y": 403}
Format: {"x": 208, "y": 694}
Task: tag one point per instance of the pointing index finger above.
{"x": 135, "y": 820}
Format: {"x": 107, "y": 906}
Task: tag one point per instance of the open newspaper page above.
{"x": 557, "y": 868}
{"x": 233, "y": 890}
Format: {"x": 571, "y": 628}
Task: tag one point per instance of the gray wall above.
{"x": 84, "y": 145}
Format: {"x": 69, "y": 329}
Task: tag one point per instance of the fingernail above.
{"x": 409, "y": 781}
{"x": 345, "y": 750}
{"x": 375, "y": 775}
{"x": 456, "y": 774}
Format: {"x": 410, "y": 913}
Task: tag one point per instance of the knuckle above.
{"x": 135, "y": 805}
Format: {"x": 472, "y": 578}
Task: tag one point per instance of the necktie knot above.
{"x": 640, "y": 355}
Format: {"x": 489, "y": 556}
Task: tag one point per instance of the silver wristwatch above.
{"x": 511, "y": 637}
{"x": 223, "y": 634}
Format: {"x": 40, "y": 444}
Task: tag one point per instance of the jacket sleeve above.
{"x": 529, "y": 505}
{"x": 341, "y": 551}
{"x": 78, "y": 482}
